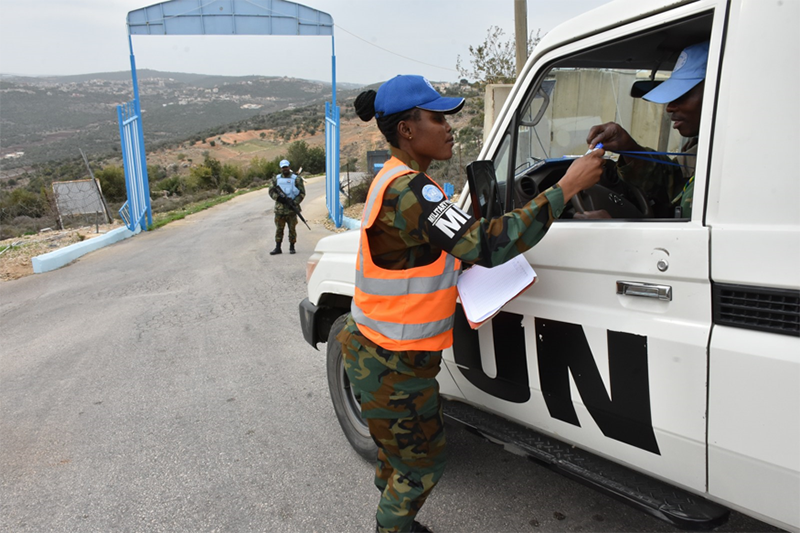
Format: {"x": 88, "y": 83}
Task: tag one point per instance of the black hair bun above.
{"x": 365, "y": 105}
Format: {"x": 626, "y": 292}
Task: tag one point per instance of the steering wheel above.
{"x": 613, "y": 195}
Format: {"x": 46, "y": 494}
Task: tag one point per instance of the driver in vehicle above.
{"x": 667, "y": 183}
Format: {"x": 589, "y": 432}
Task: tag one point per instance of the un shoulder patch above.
{"x": 445, "y": 222}
{"x": 432, "y": 193}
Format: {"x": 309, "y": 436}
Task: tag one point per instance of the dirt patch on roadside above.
{"x": 354, "y": 211}
{"x": 16, "y": 253}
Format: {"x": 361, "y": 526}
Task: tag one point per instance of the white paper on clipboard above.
{"x": 483, "y": 291}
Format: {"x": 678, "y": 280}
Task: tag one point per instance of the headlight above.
{"x": 312, "y": 263}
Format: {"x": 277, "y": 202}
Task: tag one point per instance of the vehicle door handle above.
{"x": 646, "y": 290}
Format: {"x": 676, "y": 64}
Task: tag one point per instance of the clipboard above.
{"x": 484, "y": 291}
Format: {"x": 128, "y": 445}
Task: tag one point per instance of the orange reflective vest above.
{"x": 411, "y": 309}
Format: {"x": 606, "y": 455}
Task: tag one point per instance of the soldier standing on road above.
{"x": 412, "y": 243}
{"x": 294, "y": 191}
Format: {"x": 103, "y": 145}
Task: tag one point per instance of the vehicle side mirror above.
{"x": 483, "y": 190}
{"x": 642, "y": 87}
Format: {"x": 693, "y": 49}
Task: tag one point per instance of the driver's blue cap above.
{"x": 402, "y": 93}
{"x": 690, "y": 70}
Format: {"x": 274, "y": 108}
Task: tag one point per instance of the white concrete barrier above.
{"x": 58, "y": 258}
{"x": 351, "y": 223}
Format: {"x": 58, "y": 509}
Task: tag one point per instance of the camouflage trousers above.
{"x": 411, "y": 459}
{"x": 399, "y": 398}
{"x": 283, "y": 220}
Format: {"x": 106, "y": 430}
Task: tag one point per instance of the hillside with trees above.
{"x": 205, "y": 135}
{"x": 49, "y": 119}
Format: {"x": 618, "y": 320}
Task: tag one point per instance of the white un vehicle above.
{"x": 653, "y": 354}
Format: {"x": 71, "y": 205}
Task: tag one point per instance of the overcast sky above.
{"x": 374, "y": 39}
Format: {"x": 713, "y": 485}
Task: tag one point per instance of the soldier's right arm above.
{"x": 493, "y": 242}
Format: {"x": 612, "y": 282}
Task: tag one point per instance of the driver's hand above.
{"x": 592, "y": 215}
{"x": 613, "y": 136}
{"x": 582, "y": 174}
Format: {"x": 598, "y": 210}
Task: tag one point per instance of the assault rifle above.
{"x": 288, "y": 202}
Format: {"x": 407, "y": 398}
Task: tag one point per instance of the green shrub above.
{"x": 112, "y": 181}
{"x": 174, "y": 185}
{"x": 358, "y": 192}
{"x": 23, "y": 203}
{"x": 261, "y": 169}
{"x": 311, "y": 159}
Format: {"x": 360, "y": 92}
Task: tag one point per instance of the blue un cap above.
{"x": 402, "y": 93}
{"x": 690, "y": 70}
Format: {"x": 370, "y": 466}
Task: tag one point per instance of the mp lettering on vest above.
{"x": 447, "y": 218}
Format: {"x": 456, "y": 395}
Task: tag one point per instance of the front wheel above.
{"x": 345, "y": 403}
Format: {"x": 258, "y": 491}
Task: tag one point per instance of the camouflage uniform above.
{"x": 666, "y": 186}
{"x": 398, "y": 391}
{"x": 283, "y": 213}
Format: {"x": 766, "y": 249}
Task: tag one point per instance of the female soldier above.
{"x": 412, "y": 243}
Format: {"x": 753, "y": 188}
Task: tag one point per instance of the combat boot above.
{"x": 416, "y": 527}
{"x": 291, "y": 248}
{"x": 277, "y": 249}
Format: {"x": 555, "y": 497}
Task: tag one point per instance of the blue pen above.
{"x": 598, "y": 147}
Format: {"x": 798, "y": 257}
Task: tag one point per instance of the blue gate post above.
{"x": 332, "y": 149}
{"x": 134, "y": 159}
{"x": 128, "y": 207}
{"x": 332, "y": 177}
{"x": 332, "y": 163}
{"x": 145, "y": 182}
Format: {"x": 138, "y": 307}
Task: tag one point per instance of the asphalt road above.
{"x": 162, "y": 384}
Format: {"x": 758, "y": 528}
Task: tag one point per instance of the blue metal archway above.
{"x": 226, "y": 17}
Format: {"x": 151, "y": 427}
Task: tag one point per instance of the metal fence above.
{"x": 80, "y": 198}
{"x": 134, "y": 211}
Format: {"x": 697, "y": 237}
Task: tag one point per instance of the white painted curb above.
{"x": 58, "y": 258}
{"x": 350, "y": 223}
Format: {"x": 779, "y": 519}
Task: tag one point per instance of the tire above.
{"x": 345, "y": 404}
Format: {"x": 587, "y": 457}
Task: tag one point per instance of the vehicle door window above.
{"x": 605, "y": 85}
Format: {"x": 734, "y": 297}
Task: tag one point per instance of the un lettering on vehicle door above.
{"x": 618, "y": 375}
